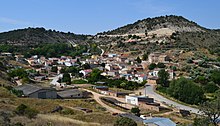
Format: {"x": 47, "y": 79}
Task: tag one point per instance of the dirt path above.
{"x": 97, "y": 96}
{"x": 66, "y": 120}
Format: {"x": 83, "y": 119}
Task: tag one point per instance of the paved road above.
{"x": 55, "y": 80}
{"x": 151, "y": 93}
{"x": 102, "y": 50}
{"x": 97, "y": 98}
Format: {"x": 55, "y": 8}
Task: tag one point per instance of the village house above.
{"x": 154, "y": 73}
{"x": 6, "y": 54}
{"x": 85, "y": 72}
{"x": 101, "y": 89}
{"x": 140, "y": 78}
{"x": 152, "y": 80}
{"x": 112, "y": 73}
{"x": 158, "y": 57}
{"x": 112, "y": 55}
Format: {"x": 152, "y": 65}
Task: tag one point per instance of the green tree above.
{"x": 20, "y": 72}
{"x": 212, "y": 109}
{"x": 86, "y": 66}
{"x": 95, "y": 76}
{"x": 161, "y": 65}
{"x": 215, "y": 76}
{"x": 54, "y": 69}
{"x": 210, "y": 87}
{"x": 201, "y": 122}
{"x": 201, "y": 80}
{"x": 72, "y": 70}
{"x": 136, "y": 111}
{"x": 145, "y": 56}
{"x": 186, "y": 91}
{"x": 124, "y": 121}
{"x": 138, "y": 59}
{"x": 22, "y": 109}
{"x": 66, "y": 78}
{"x": 152, "y": 66}
{"x": 163, "y": 77}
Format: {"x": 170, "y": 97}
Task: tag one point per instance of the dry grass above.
{"x": 15, "y": 63}
{"x": 102, "y": 118}
{"x": 98, "y": 117}
{"x": 52, "y": 120}
{"x": 179, "y": 119}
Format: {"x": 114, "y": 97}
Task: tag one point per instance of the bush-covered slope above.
{"x": 36, "y": 36}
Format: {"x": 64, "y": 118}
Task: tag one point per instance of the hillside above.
{"x": 36, "y": 36}
{"x": 175, "y": 23}
{"x": 147, "y": 35}
{"x": 161, "y": 33}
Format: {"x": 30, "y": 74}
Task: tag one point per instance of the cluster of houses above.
{"x": 121, "y": 65}
{"x": 115, "y": 66}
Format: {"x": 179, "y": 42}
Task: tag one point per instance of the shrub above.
{"x": 161, "y": 65}
{"x": 152, "y": 66}
{"x": 210, "y": 87}
{"x": 136, "y": 111}
{"x": 79, "y": 81}
{"x": 26, "y": 111}
{"x": 124, "y": 121}
{"x": 67, "y": 112}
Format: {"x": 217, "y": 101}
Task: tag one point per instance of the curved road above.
{"x": 157, "y": 97}
{"x": 102, "y": 50}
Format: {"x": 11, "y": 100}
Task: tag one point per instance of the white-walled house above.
{"x": 140, "y": 77}
{"x": 85, "y": 72}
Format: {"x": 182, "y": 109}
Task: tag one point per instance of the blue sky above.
{"x": 92, "y": 16}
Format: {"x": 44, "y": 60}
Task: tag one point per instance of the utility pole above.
{"x": 145, "y": 90}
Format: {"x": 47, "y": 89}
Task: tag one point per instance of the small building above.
{"x": 132, "y": 116}
{"x": 85, "y": 72}
{"x": 158, "y": 57}
{"x": 152, "y": 80}
{"x": 140, "y": 78}
{"x": 112, "y": 73}
{"x": 86, "y": 54}
{"x": 33, "y": 91}
{"x": 101, "y": 88}
{"x": 101, "y": 83}
{"x": 6, "y": 54}
{"x": 163, "y": 58}
{"x": 40, "y": 78}
{"x": 144, "y": 103}
{"x": 71, "y": 93}
{"x": 112, "y": 55}
{"x": 135, "y": 100}
{"x": 158, "y": 121}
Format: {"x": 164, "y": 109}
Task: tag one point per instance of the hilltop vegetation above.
{"x": 176, "y": 23}
{"x": 161, "y": 34}
{"x": 35, "y": 36}
{"x": 209, "y": 40}
{"x": 144, "y": 35}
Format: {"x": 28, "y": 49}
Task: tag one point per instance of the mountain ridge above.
{"x": 176, "y": 23}
{"x": 175, "y": 30}
{"x": 35, "y": 36}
